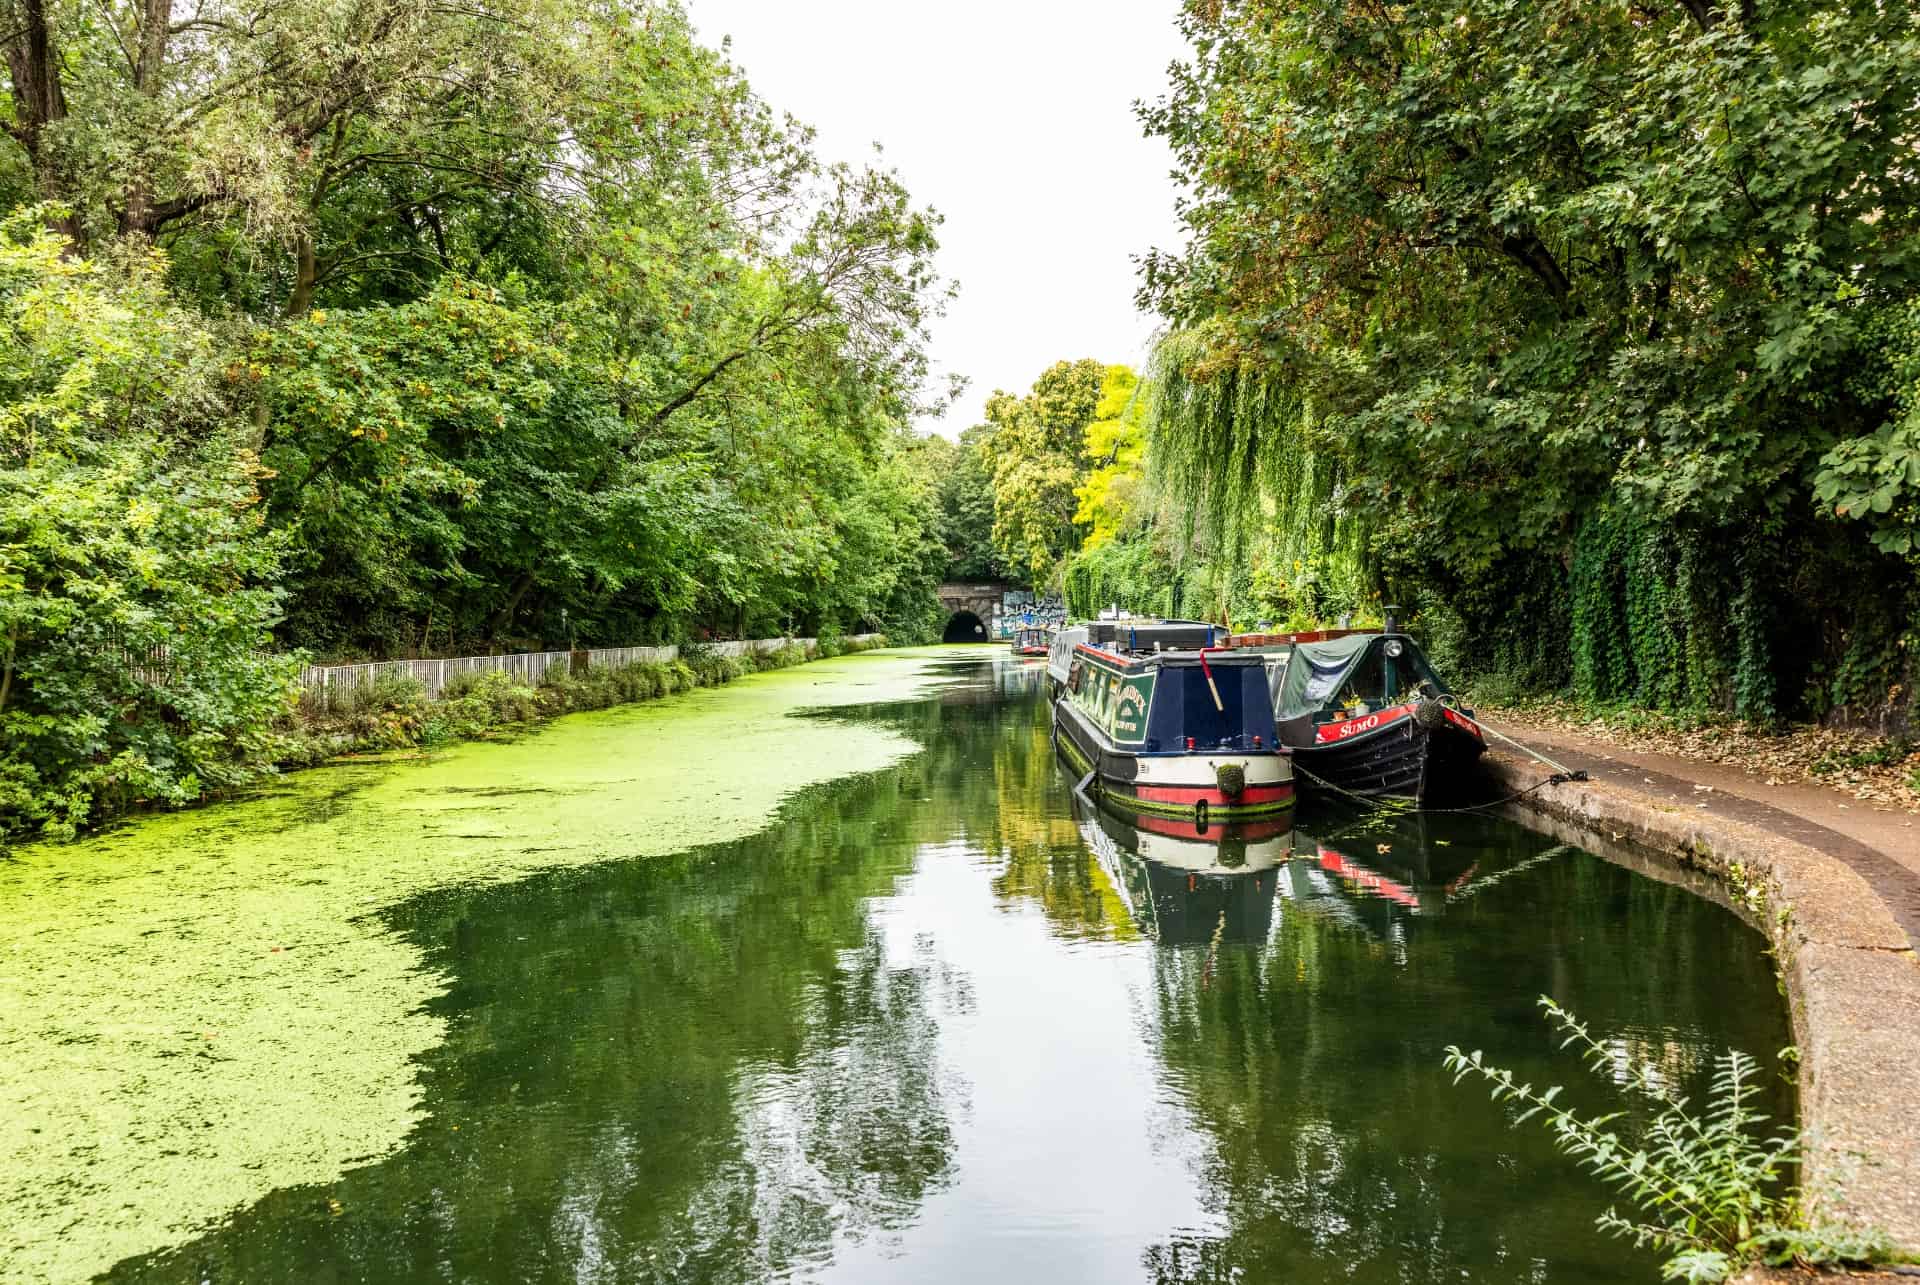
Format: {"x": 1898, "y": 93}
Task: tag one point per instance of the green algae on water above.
{"x": 201, "y": 1008}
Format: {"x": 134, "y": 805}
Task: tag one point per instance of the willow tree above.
{"x": 1533, "y": 263}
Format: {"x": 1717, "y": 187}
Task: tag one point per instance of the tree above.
{"x": 1035, "y": 451}
{"x": 136, "y": 590}
{"x": 1116, "y": 443}
{"x": 964, "y": 485}
{"x": 1504, "y": 271}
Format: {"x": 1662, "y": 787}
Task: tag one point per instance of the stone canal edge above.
{"x": 1850, "y": 973}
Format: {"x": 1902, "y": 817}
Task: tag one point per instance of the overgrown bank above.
{"x": 397, "y": 713}
{"x": 1587, "y": 335}
{"x": 538, "y": 328}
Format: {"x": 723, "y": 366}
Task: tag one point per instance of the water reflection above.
{"x": 938, "y": 1025}
{"x": 1181, "y": 885}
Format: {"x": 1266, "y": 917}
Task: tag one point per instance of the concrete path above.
{"x": 1881, "y": 843}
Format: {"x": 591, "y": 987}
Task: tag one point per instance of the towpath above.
{"x": 1881, "y": 843}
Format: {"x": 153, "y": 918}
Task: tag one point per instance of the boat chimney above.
{"x": 1391, "y": 626}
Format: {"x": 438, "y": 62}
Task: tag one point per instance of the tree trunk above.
{"x": 138, "y": 217}
{"x": 306, "y": 272}
{"x": 504, "y": 616}
{"x": 6, "y": 670}
{"x": 39, "y": 102}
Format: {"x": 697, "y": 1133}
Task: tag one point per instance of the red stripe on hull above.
{"x": 1190, "y": 794}
{"x": 1345, "y": 867}
{"x": 1175, "y": 828}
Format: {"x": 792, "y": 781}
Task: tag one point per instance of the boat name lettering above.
{"x": 1355, "y": 726}
{"x": 1130, "y": 709}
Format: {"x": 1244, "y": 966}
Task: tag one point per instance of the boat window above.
{"x": 1323, "y": 679}
{"x": 1365, "y": 687}
{"x": 1184, "y": 704}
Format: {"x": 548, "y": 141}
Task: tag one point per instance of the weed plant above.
{"x": 1708, "y": 1186}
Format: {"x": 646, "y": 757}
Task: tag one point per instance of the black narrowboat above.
{"x": 1363, "y": 713}
{"x": 1162, "y": 723}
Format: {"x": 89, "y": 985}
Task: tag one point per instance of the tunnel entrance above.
{"x": 964, "y": 627}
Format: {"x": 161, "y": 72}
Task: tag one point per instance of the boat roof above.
{"x": 1146, "y": 659}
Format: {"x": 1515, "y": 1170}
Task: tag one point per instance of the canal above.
{"x": 930, "y": 1022}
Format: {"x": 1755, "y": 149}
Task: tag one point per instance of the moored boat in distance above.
{"x": 1363, "y": 713}
{"x": 1031, "y": 640}
{"x": 1163, "y": 722}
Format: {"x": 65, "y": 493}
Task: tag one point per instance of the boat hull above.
{"x": 1182, "y": 787}
{"x": 1398, "y": 756}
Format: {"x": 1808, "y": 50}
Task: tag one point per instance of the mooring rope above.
{"x": 1401, "y": 808}
{"x": 1570, "y": 773}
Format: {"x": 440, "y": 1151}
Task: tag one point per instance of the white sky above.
{"x": 1015, "y": 121}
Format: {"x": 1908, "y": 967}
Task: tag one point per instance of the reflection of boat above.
{"x": 1031, "y": 641}
{"x": 1185, "y": 888}
{"x": 1376, "y": 877}
{"x": 1162, "y": 724}
{"x": 1364, "y": 713}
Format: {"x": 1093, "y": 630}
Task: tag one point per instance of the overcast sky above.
{"x": 1014, "y": 120}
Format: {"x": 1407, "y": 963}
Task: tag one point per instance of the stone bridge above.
{"x": 970, "y": 606}
{"x": 974, "y": 607}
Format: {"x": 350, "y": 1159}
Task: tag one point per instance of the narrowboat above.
{"x": 1031, "y": 641}
{"x": 1060, "y": 656}
{"x": 1364, "y": 714}
{"x": 1159, "y": 721}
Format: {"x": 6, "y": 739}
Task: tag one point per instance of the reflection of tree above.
{"x": 1035, "y": 838}
{"x": 1011, "y": 801}
{"x": 1340, "y": 1150}
{"x": 702, "y": 1068}
{"x": 718, "y": 1067}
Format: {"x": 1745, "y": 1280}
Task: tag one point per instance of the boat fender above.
{"x": 1429, "y": 713}
{"x": 1231, "y": 778}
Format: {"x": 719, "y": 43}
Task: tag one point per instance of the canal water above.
{"x": 935, "y": 1024}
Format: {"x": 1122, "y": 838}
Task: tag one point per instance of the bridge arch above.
{"x": 965, "y": 627}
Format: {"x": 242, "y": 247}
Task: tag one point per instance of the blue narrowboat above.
{"x": 1163, "y": 721}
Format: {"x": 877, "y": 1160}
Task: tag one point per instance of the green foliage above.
{"x": 1116, "y": 443}
{"x": 963, "y": 483}
{"x": 135, "y": 584}
{"x": 531, "y": 327}
{"x": 394, "y": 712}
{"x": 1034, "y": 450}
{"x": 1875, "y": 478}
{"x": 1707, "y": 1185}
{"x": 1619, "y": 295}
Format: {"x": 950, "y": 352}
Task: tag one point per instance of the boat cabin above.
{"x": 1032, "y": 640}
{"x": 1171, "y": 702}
{"x": 1317, "y": 685}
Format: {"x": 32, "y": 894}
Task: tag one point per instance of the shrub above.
{"x": 1707, "y": 1185}
{"x": 136, "y": 584}
{"x": 710, "y": 667}
{"x": 781, "y": 657}
{"x": 393, "y": 712}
